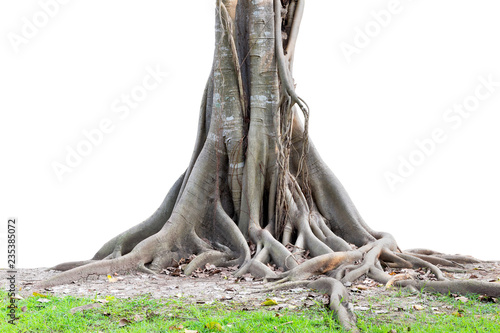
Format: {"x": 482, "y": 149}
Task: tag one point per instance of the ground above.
{"x": 213, "y": 284}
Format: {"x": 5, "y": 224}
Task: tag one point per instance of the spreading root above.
{"x": 256, "y": 194}
{"x": 297, "y": 266}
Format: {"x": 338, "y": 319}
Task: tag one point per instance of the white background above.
{"x": 364, "y": 114}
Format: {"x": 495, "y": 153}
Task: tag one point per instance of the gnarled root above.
{"x": 339, "y": 301}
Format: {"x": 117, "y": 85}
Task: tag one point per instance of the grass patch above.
{"x": 144, "y": 314}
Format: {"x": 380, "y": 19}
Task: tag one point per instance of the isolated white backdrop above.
{"x": 364, "y": 115}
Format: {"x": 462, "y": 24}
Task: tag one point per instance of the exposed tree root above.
{"x": 256, "y": 193}
{"x": 339, "y": 301}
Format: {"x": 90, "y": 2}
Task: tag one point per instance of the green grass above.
{"x": 438, "y": 314}
{"x": 180, "y": 314}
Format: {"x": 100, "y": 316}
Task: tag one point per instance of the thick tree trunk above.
{"x": 254, "y": 178}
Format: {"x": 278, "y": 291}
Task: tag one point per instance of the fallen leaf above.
{"x": 112, "y": 279}
{"x": 38, "y": 294}
{"x": 361, "y": 287}
{"x": 18, "y": 297}
{"x": 138, "y": 318}
{"x": 269, "y": 302}
{"x": 397, "y": 277}
{"x": 123, "y": 322}
{"x": 85, "y": 307}
{"x": 190, "y": 331}
{"x": 418, "y": 307}
{"x": 457, "y": 314}
{"x": 462, "y": 299}
{"x": 213, "y": 326}
{"x": 24, "y": 308}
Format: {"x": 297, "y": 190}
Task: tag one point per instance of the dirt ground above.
{"x": 218, "y": 284}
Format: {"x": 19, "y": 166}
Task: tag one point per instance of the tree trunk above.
{"x": 255, "y": 180}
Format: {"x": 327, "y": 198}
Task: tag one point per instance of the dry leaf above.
{"x": 190, "y": 331}
{"x": 138, "y": 318}
{"x": 361, "y": 287}
{"x": 462, "y": 299}
{"x": 112, "y": 279}
{"x": 123, "y": 322}
{"x": 397, "y": 277}
{"x": 457, "y": 314}
{"x": 269, "y": 302}
{"x": 24, "y": 308}
{"x": 418, "y": 307}
{"x": 38, "y": 294}
{"x": 18, "y": 297}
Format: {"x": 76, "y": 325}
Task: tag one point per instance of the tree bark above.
{"x": 255, "y": 179}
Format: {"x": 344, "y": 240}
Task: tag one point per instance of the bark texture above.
{"x": 256, "y": 181}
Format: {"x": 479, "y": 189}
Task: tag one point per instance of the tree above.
{"x": 255, "y": 181}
